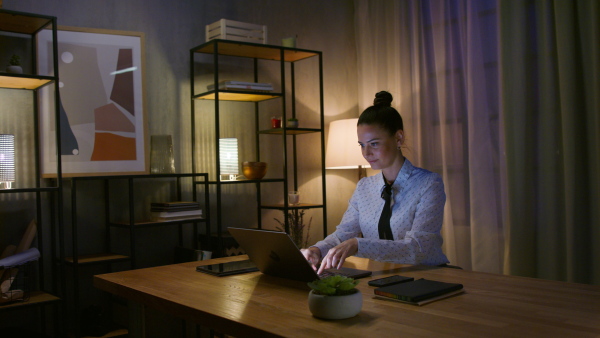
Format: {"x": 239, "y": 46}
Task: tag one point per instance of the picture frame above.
{"x": 102, "y": 103}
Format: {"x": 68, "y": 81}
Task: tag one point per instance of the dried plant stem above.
{"x": 297, "y": 227}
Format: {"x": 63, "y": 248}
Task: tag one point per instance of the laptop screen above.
{"x": 275, "y": 254}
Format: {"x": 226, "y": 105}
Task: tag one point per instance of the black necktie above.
{"x": 385, "y": 232}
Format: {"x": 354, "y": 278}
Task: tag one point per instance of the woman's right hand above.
{"x": 312, "y": 255}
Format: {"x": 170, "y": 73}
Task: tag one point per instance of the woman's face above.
{"x": 378, "y": 147}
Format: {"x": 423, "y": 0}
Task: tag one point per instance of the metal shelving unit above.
{"x": 49, "y": 289}
{"x": 282, "y": 55}
{"x": 131, "y": 225}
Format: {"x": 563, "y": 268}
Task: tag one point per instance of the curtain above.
{"x": 502, "y": 99}
{"x": 439, "y": 59}
{"x": 551, "y": 66}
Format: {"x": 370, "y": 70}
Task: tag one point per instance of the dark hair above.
{"x": 382, "y": 114}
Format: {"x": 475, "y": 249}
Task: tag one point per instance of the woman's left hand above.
{"x": 337, "y": 255}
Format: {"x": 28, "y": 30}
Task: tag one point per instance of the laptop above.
{"x": 275, "y": 254}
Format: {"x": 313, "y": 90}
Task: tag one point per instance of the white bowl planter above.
{"x": 335, "y": 307}
{"x": 14, "y": 69}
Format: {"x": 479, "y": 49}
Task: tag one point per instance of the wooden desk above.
{"x": 258, "y": 305}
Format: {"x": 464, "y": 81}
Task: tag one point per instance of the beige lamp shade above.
{"x": 343, "y": 151}
{"x": 228, "y": 156}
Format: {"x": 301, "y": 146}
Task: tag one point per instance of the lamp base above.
{"x": 362, "y": 172}
{"x": 228, "y": 177}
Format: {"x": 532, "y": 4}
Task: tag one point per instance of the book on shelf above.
{"x": 173, "y": 215}
{"x": 240, "y": 85}
{"x": 419, "y": 292}
{"x": 174, "y": 206}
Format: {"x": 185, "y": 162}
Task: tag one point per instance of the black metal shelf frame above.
{"x": 30, "y": 24}
{"x": 283, "y": 55}
{"x": 132, "y": 225}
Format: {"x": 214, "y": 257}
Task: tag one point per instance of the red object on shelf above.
{"x": 275, "y": 122}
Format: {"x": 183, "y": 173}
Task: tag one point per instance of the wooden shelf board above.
{"x": 115, "y": 333}
{"x": 17, "y": 190}
{"x": 243, "y": 180}
{"x": 96, "y": 258}
{"x": 165, "y": 222}
{"x": 251, "y": 50}
{"x": 290, "y": 131}
{"x": 35, "y": 298}
{"x": 22, "y": 82}
{"x": 15, "y": 22}
{"x": 142, "y": 176}
{"x": 238, "y": 96}
{"x": 176, "y": 220}
{"x": 298, "y": 206}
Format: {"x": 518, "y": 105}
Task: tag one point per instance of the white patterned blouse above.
{"x": 416, "y": 221}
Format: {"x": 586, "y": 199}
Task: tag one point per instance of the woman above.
{"x": 411, "y": 234}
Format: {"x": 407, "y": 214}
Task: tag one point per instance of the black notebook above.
{"x": 420, "y": 290}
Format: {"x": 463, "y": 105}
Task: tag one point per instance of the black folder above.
{"x": 420, "y": 290}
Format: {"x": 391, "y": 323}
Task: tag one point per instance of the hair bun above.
{"x": 383, "y": 98}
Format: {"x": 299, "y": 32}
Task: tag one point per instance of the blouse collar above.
{"x": 401, "y": 179}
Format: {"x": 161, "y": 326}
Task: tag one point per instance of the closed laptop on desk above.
{"x": 275, "y": 254}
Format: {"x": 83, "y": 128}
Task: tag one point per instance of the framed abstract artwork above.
{"x": 103, "y": 122}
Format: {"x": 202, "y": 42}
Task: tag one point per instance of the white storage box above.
{"x": 235, "y": 30}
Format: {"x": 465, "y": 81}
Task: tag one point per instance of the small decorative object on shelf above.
{"x": 14, "y": 65}
{"x": 294, "y": 197}
{"x": 334, "y": 297}
{"x": 237, "y": 31}
{"x": 297, "y": 227}
{"x": 275, "y": 122}
{"x": 161, "y": 154}
{"x": 292, "y": 123}
{"x": 15, "y": 284}
{"x": 254, "y": 170}
{"x": 289, "y": 42}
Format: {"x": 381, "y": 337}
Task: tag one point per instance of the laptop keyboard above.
{"x": 333, "y": 272}
{"x": 347, "y": 272}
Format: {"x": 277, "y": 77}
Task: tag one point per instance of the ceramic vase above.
{"x": 161, "y": 155}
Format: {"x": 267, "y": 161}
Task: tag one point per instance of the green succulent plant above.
{"x": 334, "y": 286}
{"x": 15, "y": 60}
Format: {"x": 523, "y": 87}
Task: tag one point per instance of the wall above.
{"x": 173, "y": 27}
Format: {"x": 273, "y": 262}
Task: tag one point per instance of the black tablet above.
{"x": 229, "y": 268}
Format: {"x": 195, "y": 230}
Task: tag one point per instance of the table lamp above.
{"x": 7, "y": 160}
{"x": 228, "y": 159}
{"x": 343, "y": 151}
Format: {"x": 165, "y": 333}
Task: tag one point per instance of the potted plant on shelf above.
{"x": 292, "y": 123}
{"x": 334, "y": 297}
{"x": 14, "y": 65}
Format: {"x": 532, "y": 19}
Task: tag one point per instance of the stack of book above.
{"x": 169, "y": 211}
{"x": 240, "y": 85}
